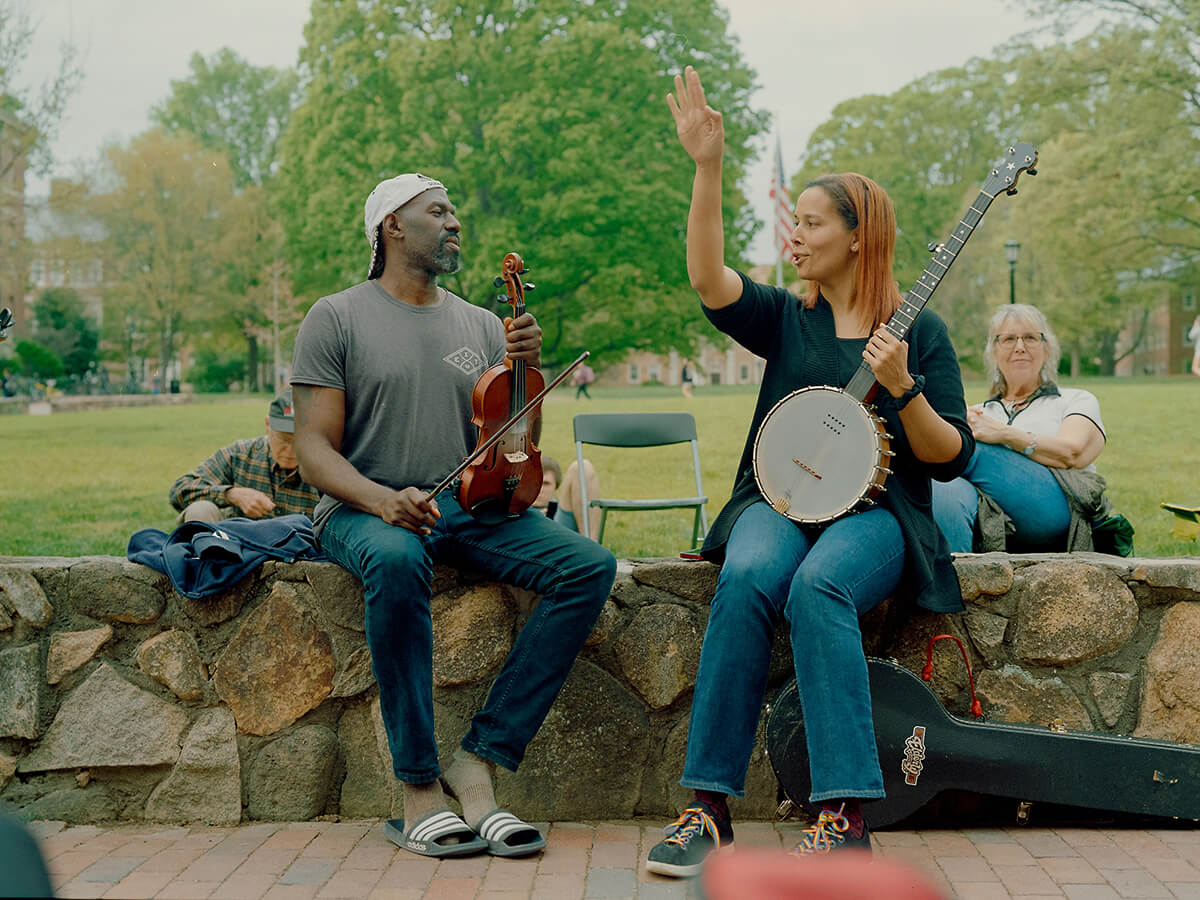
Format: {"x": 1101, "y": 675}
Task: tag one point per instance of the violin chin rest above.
{"x": 493, "y": 511}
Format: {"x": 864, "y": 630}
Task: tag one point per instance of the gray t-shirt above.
{"x": 407, "y": 372}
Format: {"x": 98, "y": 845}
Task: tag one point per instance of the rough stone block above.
{"x": 1069, "y": 612}
{"x": 596, "y": 733}
{"x": 173, "y": 659}
{"x": 20, "y": 680}
{"x": 1016, "y": 696}
{"x": 278, "y": 666}
{"x": 659, "y": 653}
{"x": 984, "y": 577}
{"x": 20, "y": 592}
{"x": 340, "y": 593}
{"x": 107, "y": 721}
{"x": 116, "y": 590}
{"x": 1111, "y": 692}
{"x": 366, "y": 790}
{"x": 289, "y": 779}
{"x": 1171, "y": 698}
{"x": 205, "y": 785}
{"x": 71, "y": 649}
{"x": 472, "y": 633}
{"x": 690, "y": 579}
{"x": 8, "y": 768}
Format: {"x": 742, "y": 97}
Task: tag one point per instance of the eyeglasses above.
{"x": 1010, "y": 340}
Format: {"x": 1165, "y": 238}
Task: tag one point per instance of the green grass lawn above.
{"x": 77, "y": 484}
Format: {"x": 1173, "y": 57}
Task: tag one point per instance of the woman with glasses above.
{"x": 1031, "y": 483}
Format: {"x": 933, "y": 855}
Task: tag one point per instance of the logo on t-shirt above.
{"x": 465, "y": 359}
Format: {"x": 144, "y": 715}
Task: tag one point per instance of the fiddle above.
{"x": 505, "y": 480}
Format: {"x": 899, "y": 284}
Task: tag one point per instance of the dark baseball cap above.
{"x": 279, "y": 417}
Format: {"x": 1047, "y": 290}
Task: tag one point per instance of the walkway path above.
{"x": 583, "y": 861}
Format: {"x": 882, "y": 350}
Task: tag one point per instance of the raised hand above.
{"x": 698, "y": 125}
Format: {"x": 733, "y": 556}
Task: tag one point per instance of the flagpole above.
{"x": 780, "y": 242}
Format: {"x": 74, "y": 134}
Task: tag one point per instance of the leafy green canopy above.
{"x": 1109, "y": 216}
{"x": 547, "y": 123}
{"x": 231, "y": 106}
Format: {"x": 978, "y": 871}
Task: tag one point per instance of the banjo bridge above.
{"x": 809, "y": 469}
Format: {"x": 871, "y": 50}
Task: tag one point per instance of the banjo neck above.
{"x": 1002, "y": 178}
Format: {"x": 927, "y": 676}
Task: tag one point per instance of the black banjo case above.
{"x": 924, "y": 751}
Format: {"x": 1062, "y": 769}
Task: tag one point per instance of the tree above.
{"x": 38, "y": 361}
{"x": 29, "y": 118}
{"x": 548, "y": 125}
{"x": 929, "y": 145}
{"x": 1109, "y": 213}
{"x": 163, "y": 204}
{"x": 62, "y": 325}
{"x": 233, "y": 107}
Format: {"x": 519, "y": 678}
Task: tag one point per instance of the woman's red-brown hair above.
{"x": 865, "y": 206}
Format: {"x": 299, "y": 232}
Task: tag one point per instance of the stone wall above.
{"x": 77, "y": 402}
{"x": 120, "y": 699}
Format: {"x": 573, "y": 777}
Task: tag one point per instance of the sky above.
{"x": 809, "y": 57}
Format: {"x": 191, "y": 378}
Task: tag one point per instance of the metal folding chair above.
{"x": 639, "y": 430}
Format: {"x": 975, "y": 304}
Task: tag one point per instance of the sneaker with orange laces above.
{"x": 831, "y": 832}
{"x": 690, "y": 839}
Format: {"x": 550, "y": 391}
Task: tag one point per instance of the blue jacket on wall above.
{"x": 205, "y": 558}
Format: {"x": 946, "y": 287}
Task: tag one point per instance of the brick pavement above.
{"x": 584, "y": 861}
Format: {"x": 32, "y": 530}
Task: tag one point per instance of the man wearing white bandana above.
{"x": 382, "y": 382}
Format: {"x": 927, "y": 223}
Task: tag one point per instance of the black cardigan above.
{"x": 800, "y": 347}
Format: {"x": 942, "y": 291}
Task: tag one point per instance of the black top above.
{"x": 801, "y": 349}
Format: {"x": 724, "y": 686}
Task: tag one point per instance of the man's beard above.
{"x": 445, "y": 260}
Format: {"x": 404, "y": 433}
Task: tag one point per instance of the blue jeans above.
{"x": 574, "y": 575}
{"x": 1026, "y": 490}
{"x": 775, "y": 570}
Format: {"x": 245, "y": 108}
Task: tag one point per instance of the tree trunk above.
{"x": 252, "y": 366}
{"x": 1108, "y": 352}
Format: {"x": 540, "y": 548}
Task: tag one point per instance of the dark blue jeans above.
{"x": 1026, "y": 490}
{"x": 574, "y": 575}
{"x": 774, "y": 570}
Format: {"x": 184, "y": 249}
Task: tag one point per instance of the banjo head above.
{"x": 818, "y": 454}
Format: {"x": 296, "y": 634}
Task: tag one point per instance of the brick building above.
{"x": 1165, "y": 348}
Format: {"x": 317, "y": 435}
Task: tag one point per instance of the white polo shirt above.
{"x": 1046, "y": 414}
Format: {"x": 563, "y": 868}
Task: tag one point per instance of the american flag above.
{"x": 781, "y": 205}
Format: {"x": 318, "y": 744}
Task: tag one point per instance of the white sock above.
{"x": 422, "y": 799}
{"x": 470, "y": 778}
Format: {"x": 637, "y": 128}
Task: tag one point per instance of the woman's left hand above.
{"x": 985, "y": 428}
{"x": 887, "y": 356}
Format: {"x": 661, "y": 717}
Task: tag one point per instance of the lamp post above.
{"x": 1011, "y": 249}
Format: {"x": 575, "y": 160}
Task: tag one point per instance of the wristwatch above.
{"x": 1028, "y": 451}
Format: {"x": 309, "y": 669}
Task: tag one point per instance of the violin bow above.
{"x": 495, "y": 439}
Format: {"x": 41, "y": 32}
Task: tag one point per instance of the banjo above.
{"x": 822, "y": 452}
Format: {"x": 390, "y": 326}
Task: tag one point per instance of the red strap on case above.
{"x": 927, "y": 672}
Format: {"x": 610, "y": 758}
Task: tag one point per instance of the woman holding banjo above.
{"x": 819, "y": 578}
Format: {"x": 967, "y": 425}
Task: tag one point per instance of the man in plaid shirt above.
{"x": 256, "y": 478}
